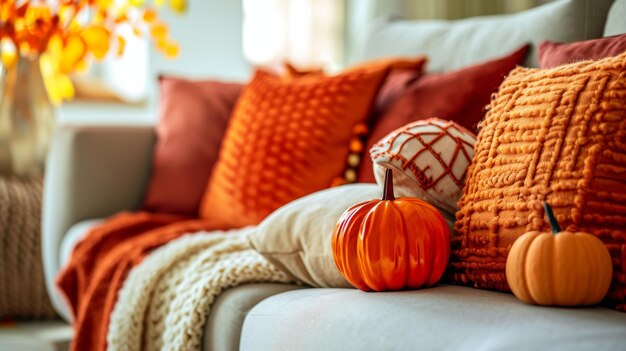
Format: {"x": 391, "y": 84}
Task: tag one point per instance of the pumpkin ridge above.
{"x": 539, "y": 271}
{"x": 401, "y": 220}
{"x": 591, "y": 279}
{"x": 370, "y": 229}
{"x": 524, "y": 272}
{"x": 553, "y": 271}
{"x": 431, "y": 245}
{"x": 601, "y": 290}
{"x": 430, "y": 262}
{"x": 359, "y": 237}
{"x": 563, "y": 251}
{"x": 405, "y": 234}
{"x": 415, "y": 247}
{"x": 445, "y": 244}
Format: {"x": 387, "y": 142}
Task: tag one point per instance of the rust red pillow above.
{"x": 458, "y": 96}
{"x": 553, "y": 54}
{"x": 193, "y": 118}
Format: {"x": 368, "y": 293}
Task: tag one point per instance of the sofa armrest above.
{"x": 91, "y": 172}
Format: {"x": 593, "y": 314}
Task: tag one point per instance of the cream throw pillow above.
{"x": 297, "y": 237}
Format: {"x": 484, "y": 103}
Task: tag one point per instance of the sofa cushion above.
{"x": 460, "y": 96}
{"x": 222, "y": 330}
{"x": 297, "y": 237}
{"x": 555, "y": 135}
{"x": 553, "y": 54}
{"x": 454, "y": 44}
{"x": 440, "y": 318}
{"x": 193, "y": 118}
{"x": 615, "y": 23}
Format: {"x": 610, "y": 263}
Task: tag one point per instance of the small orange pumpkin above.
{"x": 559, "y": 268}
{"x": 391, "y": 244}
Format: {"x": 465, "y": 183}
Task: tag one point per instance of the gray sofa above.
{"x": 94, "y": 172}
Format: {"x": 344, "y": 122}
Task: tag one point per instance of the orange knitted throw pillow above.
{"x": 288, "y": 137}
{"x": 556, "y": 135}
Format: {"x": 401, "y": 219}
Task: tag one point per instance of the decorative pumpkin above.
{"x": 559, "y": 268}
{"x": 391, "y": 244}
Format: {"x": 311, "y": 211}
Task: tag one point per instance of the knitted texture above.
{"x": 555, "y": 135}
{"x": 288, "y": 137}
{"x": 101, "y": 261}
{"x": 22, "y": 287}
{"x": 166, "y": 299}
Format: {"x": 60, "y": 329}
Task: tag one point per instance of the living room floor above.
{"x": 35, "y": 336}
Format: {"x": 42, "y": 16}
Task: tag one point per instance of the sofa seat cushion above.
{"x": 223, "y": 327}
{"x": 441, "y": 318}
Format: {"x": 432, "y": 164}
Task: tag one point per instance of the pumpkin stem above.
{"x": 388, "y": 187}
{"x": 554, "y": 224}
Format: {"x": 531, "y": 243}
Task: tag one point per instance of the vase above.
{"x": 26, "y": 118}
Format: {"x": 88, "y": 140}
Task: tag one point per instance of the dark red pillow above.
{"x": 459, "y": 96}
{"x": 553, "y": 54}
{"x": 193, "y": 118}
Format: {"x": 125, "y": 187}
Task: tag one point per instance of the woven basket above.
{"x": 23, "y": 292}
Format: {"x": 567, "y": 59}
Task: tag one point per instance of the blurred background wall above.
{"x": 210, "y": 34}
{"x": 224, "y": 39}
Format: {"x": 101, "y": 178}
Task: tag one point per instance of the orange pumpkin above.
{"x": 391, "y": 244}
{"x": 559, "y": 268}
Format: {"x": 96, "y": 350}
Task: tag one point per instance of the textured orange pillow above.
{"x": 289, "y": 137}
{"x": 556, "y": 135}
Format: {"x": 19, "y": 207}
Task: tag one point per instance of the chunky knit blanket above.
{"x": 166, "y": 299}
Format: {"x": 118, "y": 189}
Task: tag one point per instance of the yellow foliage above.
{"x": 105, "y": 4}
{"x": 178, "y": 6}
{"x": 121, "y": 45}
{"x": 58, "y": 85}
{"x": 97, "y": 39}
{"x": 172, "y": 50}
{"x": 73, "y": 50}
{"x": 137, "y": 3}
{"x": 8, "y": 59}
{"x": 159, "y": 31}
{"x": 66, "y": 39}
{"x": 149, "y": 15}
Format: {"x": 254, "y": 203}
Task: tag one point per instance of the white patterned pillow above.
{"x": 430, "y": 158}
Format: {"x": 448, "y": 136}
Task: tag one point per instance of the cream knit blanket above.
{"x": 166, "y": 299}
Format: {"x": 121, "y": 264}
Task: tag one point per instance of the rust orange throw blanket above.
{"x": 117, "y": 245}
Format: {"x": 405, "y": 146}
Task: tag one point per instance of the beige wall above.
{"x": 210, "y": 35}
